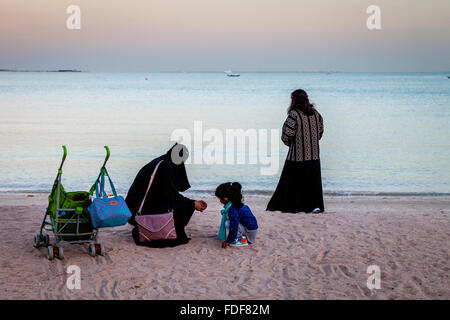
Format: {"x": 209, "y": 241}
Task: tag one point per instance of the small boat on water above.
{"x": 230, "y": 73}
{"x": 448, "y": 77}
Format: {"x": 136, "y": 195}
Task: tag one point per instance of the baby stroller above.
{"x": 68, "y": 218}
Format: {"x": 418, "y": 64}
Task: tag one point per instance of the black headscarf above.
{"x": 170, "y": 180}
{"x": 176, "y": 157}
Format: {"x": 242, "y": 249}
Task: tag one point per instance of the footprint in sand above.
{"x": 345, "y": 271}
{"x": 104, "y": 292}
{"x": 326, "y": 269}
{"x": 392, "y": 264}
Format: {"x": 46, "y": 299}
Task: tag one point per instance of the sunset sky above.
{"x": 216, "y": 35}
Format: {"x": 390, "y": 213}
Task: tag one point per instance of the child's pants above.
{"x": 242, "y": 230}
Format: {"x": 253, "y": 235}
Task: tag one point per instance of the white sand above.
{"x": 297, "y": 256}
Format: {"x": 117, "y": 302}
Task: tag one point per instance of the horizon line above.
{"x": 212, "y": 71}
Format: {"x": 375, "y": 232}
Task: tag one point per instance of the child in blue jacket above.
{"x": 241, "y": 222}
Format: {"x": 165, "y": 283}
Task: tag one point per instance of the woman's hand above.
{"x": 225, "y": 244}
{"x": 200, "y": 205}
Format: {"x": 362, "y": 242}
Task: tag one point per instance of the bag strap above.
{"x": 113, "y": 189}
{"x": 100, "y": 192}
{"x": 148, "y": 188}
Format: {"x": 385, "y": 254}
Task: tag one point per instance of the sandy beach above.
{"x": 296, "y": 256}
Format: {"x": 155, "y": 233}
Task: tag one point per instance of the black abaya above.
{"x": 299, "y": 188}
{"x": 164, "y": 195}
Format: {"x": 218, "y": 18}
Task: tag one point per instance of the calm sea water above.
{"x": 386, "y": 133}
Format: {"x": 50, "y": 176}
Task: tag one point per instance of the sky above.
{"x": 217, "y": 35}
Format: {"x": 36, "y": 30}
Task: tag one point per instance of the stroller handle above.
{"x": 106, "y": 160}
{"x": 63, "y": 159}
{"x": 107, "y": 154}
{"x": 65, "y": 152}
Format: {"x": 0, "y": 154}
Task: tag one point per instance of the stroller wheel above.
{"x": 60, "y": 252}
{"x": 92, "y": 250}
{"x": 100, "y": 249}
{"x": 37, "y": 241}
{"x": 46, "y": 240}
{"x": 50, "y": 253}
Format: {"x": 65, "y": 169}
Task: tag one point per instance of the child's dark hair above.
{"x": 232, "y": 191}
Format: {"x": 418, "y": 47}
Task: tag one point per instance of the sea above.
{"x": 385, "y": 133}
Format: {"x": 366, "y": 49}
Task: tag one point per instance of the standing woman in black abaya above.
{"x": 300, "y": 185}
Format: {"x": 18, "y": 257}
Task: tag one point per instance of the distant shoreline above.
{"x": 59, "y": 70}
{"x": 241, "y": 71}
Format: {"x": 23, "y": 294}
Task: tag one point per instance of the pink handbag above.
{"x": 155, "y": 226}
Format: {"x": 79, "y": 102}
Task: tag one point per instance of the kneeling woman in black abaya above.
{"x": 164, "y": 195}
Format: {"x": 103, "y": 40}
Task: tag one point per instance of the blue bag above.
{"x": 108, "y": 211}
